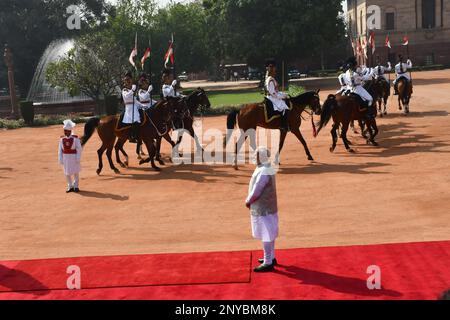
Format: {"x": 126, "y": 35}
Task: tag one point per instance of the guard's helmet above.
{"x": 351, "y": 62}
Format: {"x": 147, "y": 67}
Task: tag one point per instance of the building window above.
{"x": 390, "y": 21}
{"x": 428, "y": 14}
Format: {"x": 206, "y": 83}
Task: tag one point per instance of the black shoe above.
{"x": 264, "y": 268}
{"x": 70, "y": 190}
{"x": 274, "y": 261}
{"x": 76, "y": 190}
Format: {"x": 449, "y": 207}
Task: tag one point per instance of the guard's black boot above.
{"x": 134, "y": 133}
{"x": 285, "y": 121}
{"x": 274, "y": 261}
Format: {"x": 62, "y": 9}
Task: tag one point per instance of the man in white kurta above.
{"x": 262, "y": 202}
{"x": 69, "y": 156}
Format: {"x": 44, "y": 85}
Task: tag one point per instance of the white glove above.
{"x": 409, "y": 62}
{"x": 133, "y": 88}
{"x": 150, "y": 88}
{"x": 174, "y": 83}
{"x": 389, "y": 64}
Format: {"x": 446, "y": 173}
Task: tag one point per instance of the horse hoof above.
{"x": 116, "y": 171}
{"x": 99, "y": 171}
{"x": 331, "y": 149}
{"x": 375, "y": 144}
{"x": 236, "y": 168}
{"x": 157, "y": 169}
{"x": 123, "y": 165}
{"x": 139, "y": 158}
{"x": 161, "y": 162}
{"x": 310, "y": 158}
{"x": 351, "y": 150}
{"x": 141, "y": 162}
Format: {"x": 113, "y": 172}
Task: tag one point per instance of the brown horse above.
{"x": 343, "y": 110}
{"x": 153, "y": 124}
{"x": 384, "y": 89}
{"x": 252, "y": 116}
{"x": 404, "y": 94}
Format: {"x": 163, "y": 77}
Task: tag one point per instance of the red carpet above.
{"x": 408, "y": 271}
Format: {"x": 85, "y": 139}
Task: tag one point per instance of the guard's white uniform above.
{"x": 276, "y": 96}
{"x": 401, "y": 70}
{"x": 355, "y": 82}
{"x": 69, "y": 156}
{"x": 343, "y": 83}
{"x": 132, "y": 106}
{"x": 145, "y": 98}
{"x": 168, "y": 90}
{"x": 379, "y": 71}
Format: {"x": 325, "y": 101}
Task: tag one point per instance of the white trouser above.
{"x": 360, "y": 91}
{"x": 269, "y": 252}
{"x": 73, "y": 183}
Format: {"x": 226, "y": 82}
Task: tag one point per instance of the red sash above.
{"x": 67, "y": 145}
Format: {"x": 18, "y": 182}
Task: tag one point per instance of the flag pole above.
{"x": 388, "y": 58}
{"x": 174, "y": 72}
{"x": 150, "y": 65}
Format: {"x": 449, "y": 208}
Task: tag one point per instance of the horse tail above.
{"x": 231, "y": 124}
{"x": 89, "y": 129}
{"x": 232, "y": 119}
{"x": 327, "y": 111}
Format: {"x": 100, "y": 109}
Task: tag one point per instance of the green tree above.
{"x": 93, "y": 67}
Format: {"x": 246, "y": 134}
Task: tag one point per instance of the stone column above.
{"x": 12, "y": 88}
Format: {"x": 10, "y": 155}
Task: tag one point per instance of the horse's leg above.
{"x": 197, "y": 141}
{"x": 373, "y": 132}
{"x": 299, "y": 136}
{"x": 362, "y": 125}
{"x": 283, "y": 134}
{"x": 158, "y": 150}
{"x": 352, "y": 123}
{"x": 151, "y": 153}
{"x": 334, "y": 136}
{"x": 119, "y": 147}
{"x": 344, "y": 137}
{"x": 238, "y": 147}
{"x": 109, "y": 151}
{"x": 139, "y": 151}
{"x": 100, "y": 158}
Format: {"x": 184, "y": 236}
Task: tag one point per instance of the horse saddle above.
{"x": 269, "y": 111}
{"x": 124, "y": 126}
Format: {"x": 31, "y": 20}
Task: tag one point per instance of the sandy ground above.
{"x": 398, "y": 192}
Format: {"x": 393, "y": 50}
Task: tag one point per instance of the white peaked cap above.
{"x": 68, "y": 124}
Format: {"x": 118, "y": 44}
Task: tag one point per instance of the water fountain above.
{"x": 40, "y": 91}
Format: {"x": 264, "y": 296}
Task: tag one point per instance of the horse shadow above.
{"x": 336, "y": 283}
{"x": 190, "y": 172}
{"x": 21, "y": 282}
{"x": 418, "y": 114}
{"x": 99, "y": 195}
{"x": 398, "y": 139}
{"x": 319, "y": 168}
{"x": 429, "y": 82}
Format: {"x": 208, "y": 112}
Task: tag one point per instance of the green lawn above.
{"x": 235, "y": 98}
{"x": 220, "y": 99}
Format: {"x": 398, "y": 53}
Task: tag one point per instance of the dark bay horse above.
{"x": 195, "y": 100}
{"x": 384, "y": 89}
{"x": 108, "y": 131}
{"x": 404, "y": 94}
{"x": 251, "y": 116}
{"x": 343, "y": 110}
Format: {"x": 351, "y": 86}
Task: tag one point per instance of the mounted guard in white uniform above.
{"x": 401, "y": 71}
{"x": 132, "y": 106}
{"x": 145, "y": 93}
{"x": 355, "y": 79}
{"x": 169, "y": 87}
{"x": 274, "y": 95}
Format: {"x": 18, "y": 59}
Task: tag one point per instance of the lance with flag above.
{"x": 147, "y": 56}
{"x": 406, "y": 44}
{"x": 170, "y": 56}
{"x": 134, "y": 53}
{"x": 387, "y": 44}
